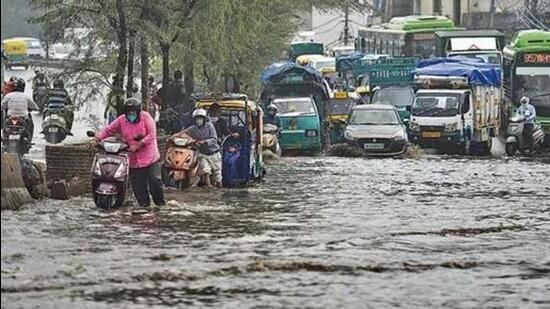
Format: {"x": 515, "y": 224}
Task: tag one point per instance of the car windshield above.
{"x": 34, "y": 44}
{"x": 290, "y": 106}
{"x": 400, "y": 97}
{"x": 436, "y": 105}
{"x": 62, "y": 49}
{"x": 374, "y": 117}
{"x": 340, "y": 107}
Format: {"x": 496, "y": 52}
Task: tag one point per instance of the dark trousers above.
{"x": 528, "y": 129}
{"x": 147, "y": 180}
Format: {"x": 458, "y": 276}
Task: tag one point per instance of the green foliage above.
{"x": 14, "y": 15}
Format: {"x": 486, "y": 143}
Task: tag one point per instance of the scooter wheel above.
{"x": 511, "y": 149}
{"x": 105, "y": 201}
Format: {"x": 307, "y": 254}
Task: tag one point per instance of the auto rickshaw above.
{"x": 241, "y": 156}
{"x": 16, "y": 53}
{"x": 337, "y": 113}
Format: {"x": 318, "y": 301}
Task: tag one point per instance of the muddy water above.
{"x": 318, "y": 233}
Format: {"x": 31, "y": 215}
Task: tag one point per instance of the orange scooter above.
{"x": 181, "y": 164}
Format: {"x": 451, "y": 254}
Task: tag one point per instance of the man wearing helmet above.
{"x": 17, "y": 103}
{"x": 210, "y": 159}
{"x": 137, "y": 129}
{"x": 39, "y": 81}
{"x": 58, "y": 96}
{"x": 271, "y": 117}
{"x": 529, "y": 113}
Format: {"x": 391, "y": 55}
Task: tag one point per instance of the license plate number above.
{"x": 14, "y": 137}
{"x": 53, "y": 130}
{"x": 373, "y": 146}
{"x": 431, "y": 134}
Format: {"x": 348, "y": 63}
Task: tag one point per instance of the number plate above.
{"x": 376, "y": 146}
{"x": 14, "y": 137}
{"x": 431, "y": 134}
{"x": 53, "y": 130}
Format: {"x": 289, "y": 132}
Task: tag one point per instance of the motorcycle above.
{"x": 15, "y": 136}
{"x": 54, "y": 126}
{"x": 110, "y": 173}
{"x": 270, "y": 139}
{"x": 514, "y": 136}
{"x": 39, "y": 95}
{"x": 181, "y": 164}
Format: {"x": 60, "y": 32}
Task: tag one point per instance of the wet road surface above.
{"x": 319, "y": 232}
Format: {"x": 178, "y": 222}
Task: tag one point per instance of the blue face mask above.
{"x": 132, "y": 118}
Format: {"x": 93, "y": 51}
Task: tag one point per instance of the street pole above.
{"x": 346, "y": 27}
{"x": 492, "y": 14}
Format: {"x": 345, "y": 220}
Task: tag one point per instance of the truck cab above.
{"x": 441, "y": 118}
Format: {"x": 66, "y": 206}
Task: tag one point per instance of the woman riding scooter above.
{"x": 138, "y": 130}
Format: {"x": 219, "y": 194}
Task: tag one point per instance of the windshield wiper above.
{"x": 426, "y": 111}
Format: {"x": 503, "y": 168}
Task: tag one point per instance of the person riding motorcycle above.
{"x": 58, "y": 96}
{"x": 529, "y": 113}
{"x": 40, "y": 80}
{"x": 17, "y": 103}
{"x": 271, "y": 117}
{"x": 210, "y": 160}
{"x": 222, "y": 129}
{"x": 137, "y": 129}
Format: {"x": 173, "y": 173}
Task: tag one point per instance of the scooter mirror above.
{"x": 90, "y": 134}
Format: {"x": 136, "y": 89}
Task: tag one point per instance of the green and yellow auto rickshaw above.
{"x": 16, "y": 53}
{"x": 242, "y": 155}
{"x": 337, "y": 113}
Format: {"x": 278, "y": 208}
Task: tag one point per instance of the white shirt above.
{"x": 18, "y": 104}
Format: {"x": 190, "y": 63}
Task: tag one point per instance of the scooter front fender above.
{"x": 511, "y": 139}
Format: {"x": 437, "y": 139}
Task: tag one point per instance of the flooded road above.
{"x": 317, "y": 233}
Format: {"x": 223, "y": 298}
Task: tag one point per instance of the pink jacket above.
{"x": 148, "y": 153}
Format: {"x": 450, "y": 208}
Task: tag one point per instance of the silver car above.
{"x": 377, "y": 129}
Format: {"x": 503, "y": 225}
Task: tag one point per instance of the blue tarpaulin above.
{"x": 345, "y": 62}
{"x": 478, "y": 73}
{"x": 279, "y": 69}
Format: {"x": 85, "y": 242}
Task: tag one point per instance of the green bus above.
{"x": 527, "y": 71}
{"x": 408, "y": 36}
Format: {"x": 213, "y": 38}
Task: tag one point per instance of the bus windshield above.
{"x": 532, "y": 81}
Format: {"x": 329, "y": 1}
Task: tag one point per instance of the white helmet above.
{"x": 524, "y": 100}
{"x": 199, "y": 112}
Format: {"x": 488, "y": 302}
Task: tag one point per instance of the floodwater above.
{"x": 319, "y": 232}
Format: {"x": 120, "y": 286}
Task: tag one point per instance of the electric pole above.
{"x": 346, "y": 27}
{"x": 492, "y": 14}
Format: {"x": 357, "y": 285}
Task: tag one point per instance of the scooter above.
{"x": 270, "y": 139}
{"x": 181, "y": 164}
{"x": 514, "y": 136}
{"x": 110, "y": 173}
{"x": 54, "y": 126}
{"x": 15, "y": 136}
{"x": 39, "y": 96}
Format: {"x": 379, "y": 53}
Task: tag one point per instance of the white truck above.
{"x": 458, "y": 105}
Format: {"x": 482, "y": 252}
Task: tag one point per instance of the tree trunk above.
{"x": 165, "y": 50}
{"x": 131, "y": 58}
{"x": 189, "y": 77}
{"x": 236, "y": 84}
{"x": 144, "y": 59}
{"x": 121, "y": 33}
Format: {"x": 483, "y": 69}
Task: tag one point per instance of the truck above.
{"x": 484, "y": 44}
{"x": 458, "y": 105}
{"x": 390, "y": 82}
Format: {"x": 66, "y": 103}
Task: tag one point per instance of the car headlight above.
{"x": 414, "y": 126}
{"x": 348, "y": 135}
{"x": 401, "y": 135}
{"x": 451, "y": 127}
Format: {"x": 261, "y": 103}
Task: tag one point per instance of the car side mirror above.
{"x": 90, "y": 134}
{"x": 406, "y": 121}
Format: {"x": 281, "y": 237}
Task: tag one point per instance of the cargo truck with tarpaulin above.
{"x": 458, "y": 104}
{"x": 300, "y": 94}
